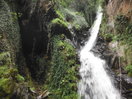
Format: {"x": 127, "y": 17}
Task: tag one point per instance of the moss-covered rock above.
{"x": 9, "y": 27}
{"x": 62, "y": 81}
{"x": 10, "y": 49}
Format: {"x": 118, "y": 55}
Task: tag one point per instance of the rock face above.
{"x": 10, "y": 52}
{"x": 118, "y": 17}
{"x": 27, "y": 33}
{"x": 39, "y": 38}
{"x": 9, "y": 29}
{"x": 116, "y": 7}
{"x": 35, "y": 29}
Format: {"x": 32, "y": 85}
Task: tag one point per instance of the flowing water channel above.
{"x": 95, "y": 83}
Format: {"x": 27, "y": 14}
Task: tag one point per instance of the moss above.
{"x": 60, "y": 22}
{"x": 62, "y": 82}
{"x": 67, "y": 17}
{"x": 70, "y": 15}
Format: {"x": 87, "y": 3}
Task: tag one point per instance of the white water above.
{"x": 95, "y": 82}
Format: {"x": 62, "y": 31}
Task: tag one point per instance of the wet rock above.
{"x": 81, "y": 36}
{"x": 126, "y": 83}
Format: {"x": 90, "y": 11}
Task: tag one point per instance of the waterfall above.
{"x": 95, "y": 83}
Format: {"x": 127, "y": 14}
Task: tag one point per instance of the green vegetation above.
{"x": 129, "y": 69}
{"x": 62, "y": 81}
{"x": 19, "y": 78}
{"x": 64, "y": 3}
{"x": 76, "y": 19}
{"x": 75, "y": 16}
{"x": 104, "y": 30}
{"x": 60, "y": 22}
{"x": 121, "y": 22}
{"x": 60, "y": 15}
{"x": 15, "y": 16}
{"x": 8, "y": 79}
{"x": 6, "y": 87}
{"x": 123, "y": 31}
{"x": 8, "y": 76}
{"x": 80, "y": 14}
{"x": 5, "y": 58}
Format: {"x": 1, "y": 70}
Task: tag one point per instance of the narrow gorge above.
{"x": 65, "y": 49}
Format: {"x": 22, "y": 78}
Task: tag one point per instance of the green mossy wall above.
{"x": 62, "y": 77}
{"x": 10, "y": 46}
{"x": 9, "y": 29}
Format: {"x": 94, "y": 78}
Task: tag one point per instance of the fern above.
{"x": 5, "y": 58}
{"x": 4, "y": 55}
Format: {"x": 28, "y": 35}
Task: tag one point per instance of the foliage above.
{"x": 80, "y": 14}
{"x": 75, "y": 18}
{"x": 60, "y": 22}
{"x": 123, "y": 31}
{"x": 67, "y": 17}
{"x": 9, "y": 29}
{"x": 8, "y": 76}
{"x": 104, "y": 30}
{"x": 20, "y": 78}
{"x": 126, "y": 39}
{"x": 64, "y": 3}
{"x": 129, "y": 69}
{"x": 63, "y": 81}
{"x": 121, "y": 22}
{"x": 60, "y": 15}
{"x": 88, "y": 8}
{"x": 6, "y": 86}
{"x": 15, "y": 15}
{"x": 5, "y": 58}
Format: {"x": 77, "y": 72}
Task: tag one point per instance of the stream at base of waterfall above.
{"x": 95, "y": 83}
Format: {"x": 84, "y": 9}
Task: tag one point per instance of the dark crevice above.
{"x": 34, "y": 28}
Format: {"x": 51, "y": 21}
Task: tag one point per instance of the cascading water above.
{"x": 95, "y": 82}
